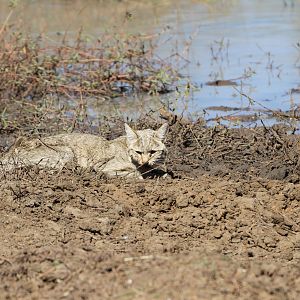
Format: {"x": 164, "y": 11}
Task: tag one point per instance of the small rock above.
{"x": 76, "y": 212}
{"x": 270, "y": 242}
{"x": 281, "y": 231}
{"x": 297, "y": 244}
{"x": 246, "y": 202}
{"x": 268, "y": 269}
{"x": 296, "y": 256}
{"x": 277, "y": 218}
{"x": 278, "y": 174}
{"x": 93, "y": 202}
{"x": 56, "y": 274}
{"x": 182, "y": 201}
{"x": 218, "y": 234}
{"x": 250, "y": 253}
{"x": 97, "y": 225}
{"x": 196, "y": 201}
{"x": 140, "y": 189}
{"x": 239, "y": 191}
{"x": 151, "y": 216}
{"x": 288, "y": 255}
{"x": 33, "y": 203}
{"x": 168, "y": 217}
{"x": 220, "y": 214}
{"x": 235, "y": 238}
{"x": 262, "y": 196}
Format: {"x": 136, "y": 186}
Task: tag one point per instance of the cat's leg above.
{"x": 120, "y": 169}
{"x": 41, "y": 157}
{"x": 124, "y": 174}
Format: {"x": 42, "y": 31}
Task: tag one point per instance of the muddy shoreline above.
{"x": 225, "y": 223}
{"x": 226, "y": 226}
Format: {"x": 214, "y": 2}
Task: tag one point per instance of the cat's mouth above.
{"x": 147, "y": 160}
{"x": 148, "y": 164}
{"x": 139, "y": 164}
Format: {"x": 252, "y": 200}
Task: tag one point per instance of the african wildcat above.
{"x": 132, "y": 155}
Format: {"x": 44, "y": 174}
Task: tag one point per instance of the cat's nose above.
{"x": 145, "y": 158}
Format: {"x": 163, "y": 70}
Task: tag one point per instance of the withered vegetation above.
{"x": 113, "y": 65}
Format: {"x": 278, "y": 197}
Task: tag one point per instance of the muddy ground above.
{"x": 224, "y": 225}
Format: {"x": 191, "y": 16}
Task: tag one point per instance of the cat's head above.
{"x": 146, "y": 147}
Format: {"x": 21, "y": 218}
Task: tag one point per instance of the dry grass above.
{"x": 112, "y": 66}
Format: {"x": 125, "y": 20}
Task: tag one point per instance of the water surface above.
{"x": 253, "y": 43}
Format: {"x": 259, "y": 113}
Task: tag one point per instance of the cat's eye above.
{"x": 152, "y": 152}
{"x": 139, "y": 152}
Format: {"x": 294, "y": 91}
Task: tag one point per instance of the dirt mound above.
{"x": 71, "y": 236}
{"x": 235, "y": 153}
{"x": 220, "y": 227}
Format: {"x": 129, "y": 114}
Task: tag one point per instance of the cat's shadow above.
{"x": 157, "y": 173}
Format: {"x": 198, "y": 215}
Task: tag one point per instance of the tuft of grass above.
{"x": 113, "y": 66}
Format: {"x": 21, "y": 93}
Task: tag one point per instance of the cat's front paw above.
{"x": 166, "y": 176}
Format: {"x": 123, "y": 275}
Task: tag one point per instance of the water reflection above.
{"x": 253, "y": 43}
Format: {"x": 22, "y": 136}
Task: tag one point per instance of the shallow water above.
{"x": 253, "y": 43}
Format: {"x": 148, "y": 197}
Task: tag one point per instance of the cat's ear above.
{"x": 162, "y": 131}
{"x": 130, "y": 133}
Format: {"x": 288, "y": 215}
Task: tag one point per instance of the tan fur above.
{"x": 129, "y": 156}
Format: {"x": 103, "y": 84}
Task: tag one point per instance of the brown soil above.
{"x": 224, "y": 225}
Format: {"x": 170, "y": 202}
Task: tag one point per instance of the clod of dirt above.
{"x": 97, "y": 225}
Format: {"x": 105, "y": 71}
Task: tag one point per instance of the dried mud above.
{"x": 224, "y": 225}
